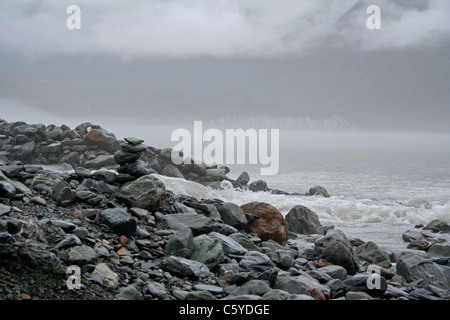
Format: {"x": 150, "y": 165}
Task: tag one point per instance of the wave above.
{"x": 337, "y": 210}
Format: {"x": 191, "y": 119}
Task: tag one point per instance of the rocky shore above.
{"x": 105, "y": 211}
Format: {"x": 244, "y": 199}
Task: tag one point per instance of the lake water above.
{"x": 380, "y": 184}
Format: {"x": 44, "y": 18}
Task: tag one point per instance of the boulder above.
{"x": 243, "y": 178}
{"x": 136, "y": 169}
{"x": 118, "y": 220}
{"x": 232, "y": 214}
{"x": 109, "y": 278}
{"x": 103, "y": 160}
{"x": 229, "y": 245}
{"x": 359, "y": 283}
{"x": 336, "y": 248}
{"x": 25, "y": 152}
{"x": 256, "y": 262}
{"x": 371, "y": 252}
{"x": 199, "y": 224}
{"x": 438, "y": 226}
{"x": 258, "y": 185}
{"x": 318, "y": 191}
{"x": 302, "y": 220}
{"x": 181, "y": 243}
{"x": 182, "y": 267}
{"x": 102, "y": 139}
{"x": 123, "y": 157}
{"x": 81, "y": 255}
{"x": 147, "y": 191}
{"x": 62, "y": 193}
{"x": 414, "y": 267}
{"x": 207, "y": 250}
{"x": 270, "y": 223}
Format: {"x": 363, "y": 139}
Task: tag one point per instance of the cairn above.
{"x": 129, "y": 159}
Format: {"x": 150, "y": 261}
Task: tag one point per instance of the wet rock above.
{"x": 133, "y": 140}
{"x": 102, "y": 139}
{"x": 110, "y": 279}
{"x": 334, "y": 271}
{"x": 439, "y": 250}
{"x": 207, "y": 250}
{"x": 199, "y": 224}
{"x": 181, "y": 243}
{"x": 129, "y": 293}
{"x": 414, "y": 267}
{"x": 289, "y": 284}
{"x": 438, "y": 226}
{"x": 171, "y": 170}
{"x": 103, "y": 160}
{"x": 81, "y": 255}
{"x": 123, "y": 157}
{"x": 147, "y": 191}
{"x": 62, "y": 193}
{"x": 302, "y": 220}
{"x": 359, "y": 282}
{"x": 318, "y": 191}
{"x": 232, "y": 214}
{"x": 258, "y": 185}
{"x": 105, "y": 175}
{"x": 243, "y": 178}
{"x": 336, "y": 248}
{"x": 282, "y": 258}
{"x": 256, "y": 263}
{"x": 229, "y": 245}
{"x": 371, "y": 253}
{"x": 137, "y": 169}
{"x": 118, "y": 220}
{"x": 270, "y": 223}
{"x": 7, "y": 190}
{"x": 252, "y": 287}
{"x": 183, "y": 267}
{"x": 24, "y": 152}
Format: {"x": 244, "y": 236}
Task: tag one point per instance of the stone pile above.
{"x": 129, "y": 159}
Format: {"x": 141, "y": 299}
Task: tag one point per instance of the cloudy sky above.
{"x": 143, "y": 60}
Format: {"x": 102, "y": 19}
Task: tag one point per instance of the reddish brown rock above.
{"x": 270, "y": 224}
{"x": 97, "y": 137}
{"x": 316, "y": 293}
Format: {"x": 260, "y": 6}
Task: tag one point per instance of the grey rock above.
{"x": 133, "y": 140}
{"x": 11, "y": 171}
{"x": 105, "y": 175}
{"x": 103, "y": 160}
{"x": 291, "y": 285}
{"x": 358, "y": 295}
{"x": 147, "y": 191}
{"x": 229, "y": 245}
{"x": 334, "y": 271}
{"x": 81, "y": 255}
{"x": 67, "y": 242}
{"x": 282, "y": 258}
{"x": 276, "y": 294}
{"x": 411, "y": 235}
{"x": 183, "y": 267}
{"x": 256, "y": 262}
{"x": 302, "y": 220}
{"x": 258, "y": 185}
{"x": 7, "y": 190}
{"x": 209, "y": 288}
{"x": 371, "y": 252}
{"x": 414, "y": 267}
{"x": 4, "y": 209}
{"x": 439, "y": 250}
{"x": 243, "y": 178}
{"x": 25, "y": 152}
{"x": 181, "y": 243}
{"x": 199, "y": 224}
{"x": 438, "y": 225}
{"x": 109, "y": 278}
{"x": 336, "y": 248}
{"x": 118, "y": 220}
{"x": 133, "y": 148}
{"x": 243, "y": 297}
{"x": 171, "y": 170}
{"x": 318, "y": 191}
{"x": 244, "y": 241}
{"x": 62, "y": 193}
{"x": 253, "y": 287}
{"x": 137, "y": 169}
{"x": 359, "y": 282}
{"x": 129, "y": 293}
{"x": 123, "y": 157}
{"x": 232, "y": 214}
{"x": 207, "y": 250}
{"x": 157, "y": 289}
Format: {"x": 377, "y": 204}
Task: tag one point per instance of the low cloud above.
{"x": 221, "y": 28}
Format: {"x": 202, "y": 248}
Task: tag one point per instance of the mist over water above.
{"x": 380, "y": 184}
